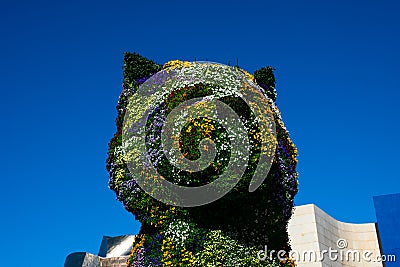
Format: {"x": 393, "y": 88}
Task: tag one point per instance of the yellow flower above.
{"x": 173, "y": 64}
{"x": 249, "y": 76}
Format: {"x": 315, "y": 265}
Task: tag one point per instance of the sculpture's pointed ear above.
{"x": 137, "y": 67}
{"x": 266, "y": 79}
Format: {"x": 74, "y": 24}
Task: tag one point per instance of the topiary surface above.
{"x": 229, "y": 231}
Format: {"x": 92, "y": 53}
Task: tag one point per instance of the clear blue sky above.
{"x": 338, "y": 88}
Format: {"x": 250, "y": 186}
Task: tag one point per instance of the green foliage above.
{"x": 137, "y": 67}
{"x": 266, "y": 79}
{"x": 220, "y": 250}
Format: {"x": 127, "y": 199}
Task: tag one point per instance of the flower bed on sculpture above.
{"x": 232, "y": 229}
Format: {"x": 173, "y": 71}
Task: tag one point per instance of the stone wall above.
{"x": 312, "y": 232}
{"x": 114, "y": 252}
{"x": 83, "y": 259}
{"x": 114, "y": 261}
